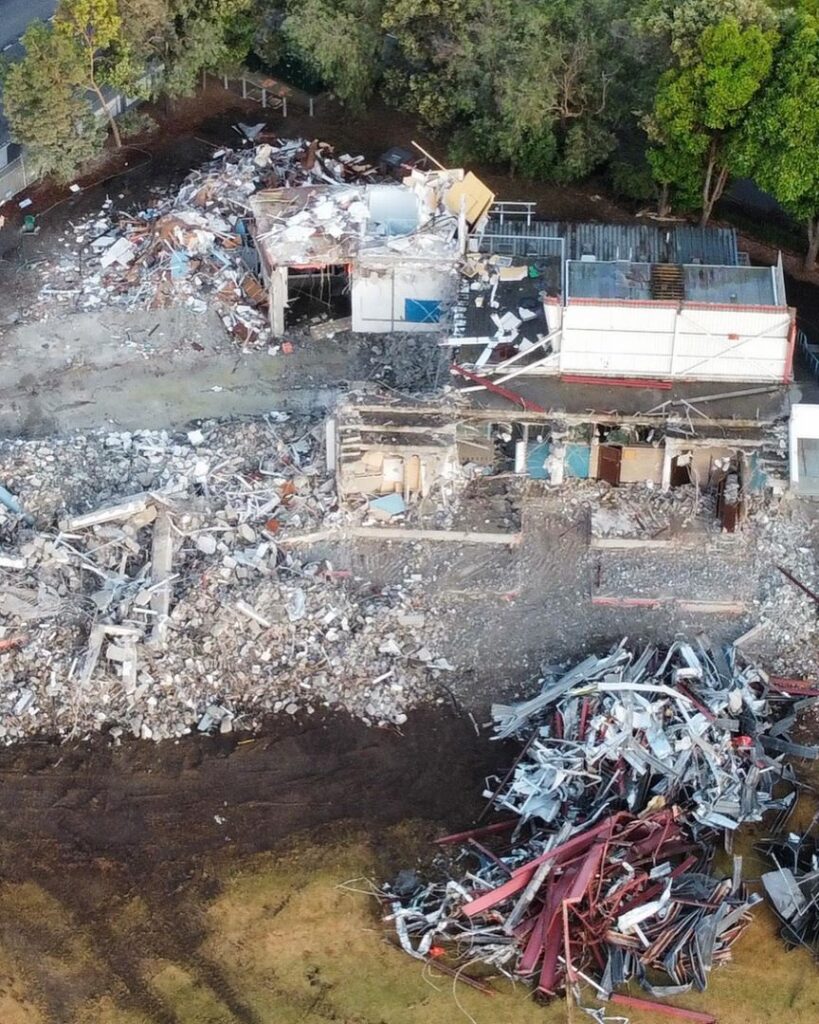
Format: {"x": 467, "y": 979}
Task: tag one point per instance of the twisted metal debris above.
{"x": 631, "y": 767}
{"x": 793, "y": 887}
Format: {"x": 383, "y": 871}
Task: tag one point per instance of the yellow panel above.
{"x": 478, "y": 197}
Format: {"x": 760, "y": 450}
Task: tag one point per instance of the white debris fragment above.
{"x": 247, "y": 625}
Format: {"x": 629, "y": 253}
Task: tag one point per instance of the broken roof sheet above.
{"x": 637, "y": 243}
{"x": 324, "y": 225}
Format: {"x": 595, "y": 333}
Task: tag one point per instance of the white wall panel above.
{"x": 379, "y": 294}
{"x": 697, "y": 344}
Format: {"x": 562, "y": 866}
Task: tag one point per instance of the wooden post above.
{"x": 244, "y": 88}
{"x": 311, "y": 106}
{"x": 264, "y": 98}
{"x": 226, "y": 81}
{"x": 284, "y": 106}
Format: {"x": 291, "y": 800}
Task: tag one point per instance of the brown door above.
{"x": 608, "y": 465}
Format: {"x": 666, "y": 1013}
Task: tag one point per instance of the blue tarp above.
{"x": 422, "y": 311}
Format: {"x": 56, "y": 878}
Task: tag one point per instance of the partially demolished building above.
{"x": 610, "y": 301}
{"x": 381, "y": 446}
{"x": 394, "y": 248}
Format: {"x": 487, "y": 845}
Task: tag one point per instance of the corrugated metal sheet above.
{"x": 738, "y": 286}
{"x": 516, "y": 238}
{"x": 634, "y": 243}
{"x": 706, "y": 245}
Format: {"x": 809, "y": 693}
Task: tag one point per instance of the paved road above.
{"x": 16, "y": 14}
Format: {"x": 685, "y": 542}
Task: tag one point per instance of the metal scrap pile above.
{"x": 793, "y": 887}
{"x": 631, "y": 766}
{"x": 192, "y": 246}
{"x": 691, "y": 729}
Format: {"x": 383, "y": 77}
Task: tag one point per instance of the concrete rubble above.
{"x": 172, "y": 572}
{"x": 631, "y": 768}
{"x": 164, "y": 598}
{"x": 193, "y": 245}
{"x": 646, "y": 542}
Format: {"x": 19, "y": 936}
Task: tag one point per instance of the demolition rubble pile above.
{"x": 601, "y": 869}
{"x": 181, "y": 605}
{"x": 704, "y": 562}
{"x": 192, "y": 246}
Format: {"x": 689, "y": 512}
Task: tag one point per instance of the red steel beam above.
{"x": 617, "y": 382}
{"x": 796, "y": 687}
{"x": 670, "y": 1011}
{"x": 475, "y": 833}
{"x": 522, "y": 875}
{"x": 510, "y": 396}
{"x": 575, "y": 895}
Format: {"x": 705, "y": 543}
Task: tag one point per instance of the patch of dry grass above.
{"x": 297, "y": 949}
{"x": 310, "y": 952}
{"x": 190, "y": 1000}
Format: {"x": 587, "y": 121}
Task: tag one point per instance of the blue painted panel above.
{"x": 578, "y": 461}
{"x": 759, "y": 478}
{"x": 536, "y": 455}
{"x": 422, "y": 311}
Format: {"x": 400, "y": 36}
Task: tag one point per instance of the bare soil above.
{"x": 90, "y": 833}
{"x": 135, "y": 885}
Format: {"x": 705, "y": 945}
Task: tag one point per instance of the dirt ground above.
{"x": 110, "y": 856}
{"x": 195, "y": 882}
{"x": 203, "y": 882}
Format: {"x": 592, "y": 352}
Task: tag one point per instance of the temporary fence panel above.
{"x": 13, "y": 179}
{"x": 810, "y": 353}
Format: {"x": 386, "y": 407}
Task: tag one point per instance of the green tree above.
{"x": 700, "y": 109}
{"x": 207, "y": 35}
{"x": 342, "y": 41}
{"x": 536, "y": 85}
{"x": 678, "y": 24}
{"x": 780, "y": 139}
{"x": 46, "y": 107}
{"x": 104, "y": 58}
{"x": 147, "y": 25}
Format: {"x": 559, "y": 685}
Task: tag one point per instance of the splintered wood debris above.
{"x": 192, "y": 246}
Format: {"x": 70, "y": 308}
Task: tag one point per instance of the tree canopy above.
{"x": 780, "y": 137}
{"x": 45, "y": 105}
{"x": 700, "y": 108}
{"x": 691, "y": 92}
